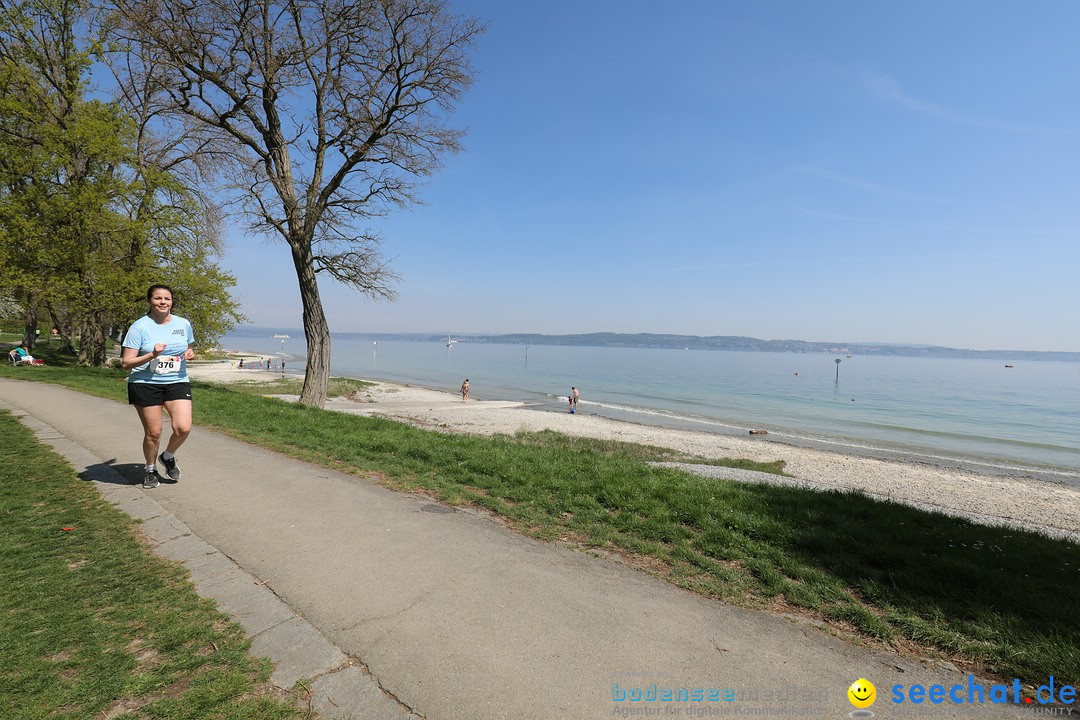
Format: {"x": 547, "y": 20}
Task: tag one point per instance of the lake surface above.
{"x": 973, "y": 413}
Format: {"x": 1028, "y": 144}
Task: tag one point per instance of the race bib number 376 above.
{"x": 165, "y": 364}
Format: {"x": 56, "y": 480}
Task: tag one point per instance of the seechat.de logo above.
{"x": 975, "y": 693}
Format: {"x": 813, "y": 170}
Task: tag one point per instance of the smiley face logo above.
{"x": 862, "y": 693}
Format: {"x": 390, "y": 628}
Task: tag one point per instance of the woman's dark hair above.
{"x": 150, "y": 291}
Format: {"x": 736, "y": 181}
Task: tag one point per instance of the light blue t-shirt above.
{"x": 144, "y": 333}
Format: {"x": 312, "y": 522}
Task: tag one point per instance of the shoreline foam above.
{"x": 983, "y": 497}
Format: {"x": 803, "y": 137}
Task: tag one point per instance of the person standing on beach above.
{"x": 573, "y": 399}
{"x": 465, "y": 390}
{"x": 156, "y": 351}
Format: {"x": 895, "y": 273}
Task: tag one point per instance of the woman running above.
{"x": 156, "y": 350}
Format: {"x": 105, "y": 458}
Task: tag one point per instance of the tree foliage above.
{"x": 321, "y": 114}
{"x": 88, "y": 217}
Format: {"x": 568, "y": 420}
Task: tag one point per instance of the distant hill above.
{"x": 697, "y": 342}
{"x": 735, "y": 342}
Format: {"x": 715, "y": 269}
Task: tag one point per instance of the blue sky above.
{"x": 838, "y": 171}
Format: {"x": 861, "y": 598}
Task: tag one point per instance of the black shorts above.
{"x": 150, "y": 394}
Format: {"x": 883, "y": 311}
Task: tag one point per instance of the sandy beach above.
{"x": 1051, "y": 508}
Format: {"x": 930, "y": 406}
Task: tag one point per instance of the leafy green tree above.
{"x": 91, "y": 207}
{"x": 59, "y": 209}
{"x": 21, "y": 237}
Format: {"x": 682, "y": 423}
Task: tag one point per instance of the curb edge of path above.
{"x": 341, "y": 686}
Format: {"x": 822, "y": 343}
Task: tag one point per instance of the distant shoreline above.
{"x": 699, "y": 342}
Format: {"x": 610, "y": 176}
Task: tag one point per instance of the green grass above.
{"x": 14, "y": 338}
{"x": 338, "y": 387}
{"x": 1000, "y": 600}
{"x": 91, "y": 622}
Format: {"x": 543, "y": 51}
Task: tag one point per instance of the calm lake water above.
{"x": 973, "y": 413}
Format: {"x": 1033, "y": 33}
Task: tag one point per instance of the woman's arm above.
{"x": 132, "y": 358}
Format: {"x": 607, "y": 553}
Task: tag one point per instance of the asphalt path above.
{"x": 416, "y": 609}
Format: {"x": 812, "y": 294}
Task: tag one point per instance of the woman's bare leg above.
{"x": 180, "y": 417}
{"x": 151, "y": 422}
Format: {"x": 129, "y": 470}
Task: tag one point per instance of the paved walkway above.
{"x": 396, "y": 607}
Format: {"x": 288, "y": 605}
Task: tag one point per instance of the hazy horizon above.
{"x": 436, "y": 335}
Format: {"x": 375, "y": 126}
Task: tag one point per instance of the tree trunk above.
{"x": 316, "y": 331}
{"x": 92, "y": 341}
{"x": 30, "y": 325}
{"x": 63, "y": 331}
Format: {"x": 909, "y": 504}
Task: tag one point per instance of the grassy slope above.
{"x": 91, "y": 622}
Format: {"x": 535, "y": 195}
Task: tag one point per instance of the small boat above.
{"x": 450, "y": 341}
{"x": 1009, "y": 366}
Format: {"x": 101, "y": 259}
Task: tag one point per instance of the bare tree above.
{"x": 325, "y": 112}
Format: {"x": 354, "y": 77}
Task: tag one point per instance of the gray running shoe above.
{"x": 171, "y": 468}
{"x": 150, "y": 480}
